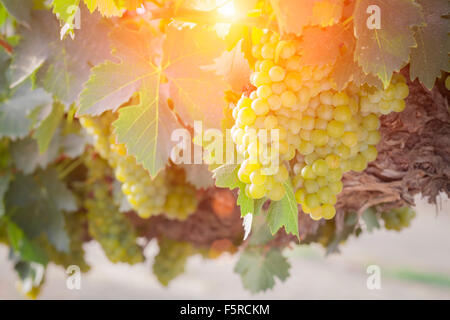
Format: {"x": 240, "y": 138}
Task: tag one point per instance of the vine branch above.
{"x": 207, "y": 17}
{"x": 5, "y": 45}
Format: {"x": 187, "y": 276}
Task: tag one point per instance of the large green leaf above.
{"x": 47, "y": 129}
{"x": 385, "y": 50}
{"x": 226, "y": 176}
{"x": 197, "y": 93}
{"x": 433, "y": 43}
{"x": 27, "y": 156}
{"x": 146, "y": 129}
{"x": 64, "y": 66}
{"x": 24, "y": 249}
{"x": 20, "y": 10}
{"x": 258, "y": 270}
{"x": 21, "y": 112}
{"x": 35, "y": 203}
{"x": 284, "y": 213}
{"x": 157, "y": 71}
{"x": 246, "y": 204}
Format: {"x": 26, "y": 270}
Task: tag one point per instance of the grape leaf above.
{"x": 16, "y": 113}
{"x": 20, "y": 10}
{"x": 64, "y": 66}
{"x": 226, "y": 176}
{"x": 370, "y": 219}
{"x": 323, "y": 45}
{"x": 385, "y": 50}
{"x": 35, "y": 203}
{"x": 47, "y": 129}
{"x": 146, "y": 128}
{"x": 284, "y": 213}
{"x": 185, "y": 51}
{"x": 294, "y": 15}
{"x": 108, "y": 8}
{"x": 233, "y": 66}
{"x": 27, "y": 156}
{"x": 433, "y": 43}
{"x": 197, "y": 94}
{"x": 3, "y": 14}
{"x": 346, "y": 69}
{"x": 24, "y": 249}
{"x": 66, "y": 11}
{"x": 258, "y": 270}
{"x": 5, "y": 179}
{"x": 246, "y": 204}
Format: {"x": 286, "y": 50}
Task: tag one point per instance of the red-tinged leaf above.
{"x": 346, "y": 69}
{"x": 433, "y": 44}
{"x": 323, "y": 45}
{"x": 158, "y": 68}
{"x": 294, "y": 15}
{"x": 197, "y": 94}
{"x": 234, "y": 67}
{"x": 385, "y": 50}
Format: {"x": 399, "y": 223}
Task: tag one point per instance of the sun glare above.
{"x": 227, "y": 9}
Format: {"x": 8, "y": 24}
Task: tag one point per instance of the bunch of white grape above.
{"x": 322, "y": 132}
{"x": 167, "y": 193}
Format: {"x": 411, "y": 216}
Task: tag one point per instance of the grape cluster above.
{"x": 107, "y": 224}
{"x": 146, "y": 195}
{"x": 322, "y": 132}
{"x": 399, "y": 218}
{"x": 168, "y": 192}
{"x": 171, "y": 259}
{"x": 75, "y": 223}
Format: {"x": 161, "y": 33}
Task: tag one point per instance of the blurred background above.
{"x": 414, "y": 263}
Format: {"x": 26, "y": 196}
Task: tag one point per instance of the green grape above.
{"x": 323, "y": 132}
{"x": 399, "y": 218}
{"x": 106, "y": 223}
{"x": 320, "y": 167}
{"x": 171, "y": 259}
{"x": 181, "y": 201}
